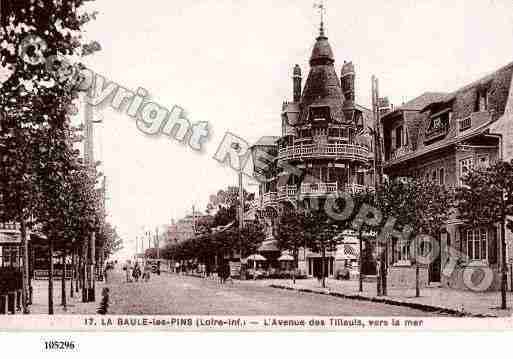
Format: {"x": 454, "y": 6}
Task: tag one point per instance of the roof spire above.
{"x": 322, "y": 9}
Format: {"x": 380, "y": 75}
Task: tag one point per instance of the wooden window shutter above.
{"x": 492, "y": 246}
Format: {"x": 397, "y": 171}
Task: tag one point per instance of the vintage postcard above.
{"x": 241, "y": 166}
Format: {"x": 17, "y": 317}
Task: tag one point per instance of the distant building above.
{"x": 440, "y": 137}
{"x": 187, "y": 227}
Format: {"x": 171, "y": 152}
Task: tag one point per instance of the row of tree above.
{"x": 415, "y": 207}
{"x": 45, "y": 185}
{"x": 219, "y": 237}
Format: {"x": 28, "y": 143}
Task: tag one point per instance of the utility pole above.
{"x": 241, "y": 220}
{"x": 194, "y": 219}
{"x": 157, "y": 242}
{"x": 89, "y": 161}
{"x": 378, "y": 184}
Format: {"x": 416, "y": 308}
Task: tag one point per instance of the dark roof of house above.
{"x": 419, "y": 102}
{"x": 322, "y": 86}
{"x": 267, "y": 141}
{"x": 497, "y": 83}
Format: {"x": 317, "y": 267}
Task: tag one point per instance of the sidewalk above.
{"x": 74, "y": 305}
{"x": 432, "y": 299}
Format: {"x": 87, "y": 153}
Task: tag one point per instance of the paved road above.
{"x": 170, "y": 294}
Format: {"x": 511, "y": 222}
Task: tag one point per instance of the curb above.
{"x": 419, "y": 306}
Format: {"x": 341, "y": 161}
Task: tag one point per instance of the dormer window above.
{"x": 399, "y": 137}
{"x": 438, "y": 125}
{"x": 481, "y": 101}
{"x": 320, "y": 113}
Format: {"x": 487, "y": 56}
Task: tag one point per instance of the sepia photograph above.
{"x": 255, "y": 166}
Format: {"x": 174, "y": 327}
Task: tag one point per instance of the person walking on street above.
{"x": 128, "y": 271}
{"x": 136, "y": 273}
{"x": 147, "y": 271}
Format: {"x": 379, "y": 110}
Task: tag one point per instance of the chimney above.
{"x": 347, "y": 81}
{"x": 297, "y": 83}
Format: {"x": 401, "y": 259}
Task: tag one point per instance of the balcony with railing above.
{"x": 475, "y": 120}
{"x": 400, "y": 152}
{"x": 357, "y": 188}
{"x": 269, "y": 198}
{"x": 318, "y": 189}
{"x": 343, "y": 151}
{"x": 287, "y": 192}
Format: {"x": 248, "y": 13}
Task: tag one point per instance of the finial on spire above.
{"x": 322, "y": 9}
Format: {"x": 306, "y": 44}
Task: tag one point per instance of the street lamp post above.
{"x": 236, "y": 146}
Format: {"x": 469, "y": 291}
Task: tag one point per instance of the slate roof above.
{"x": 499, "y": 86}
{"x": 322, "y": 86}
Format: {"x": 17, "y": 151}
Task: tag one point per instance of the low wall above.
{"x": 476, "y": 278}
{"x": 404, "y": 277}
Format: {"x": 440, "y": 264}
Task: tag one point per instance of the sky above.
{"x": 230, "y": 63}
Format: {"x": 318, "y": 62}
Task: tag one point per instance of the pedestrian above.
{"x": 177, "y": 268}
{"x": 136, "y": 273}
{"x": 147, "y": 270}
{"x": 128, "y": 271}
{"x": 227, "y": 272}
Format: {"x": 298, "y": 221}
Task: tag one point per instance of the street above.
{"x": 182, "y": 295}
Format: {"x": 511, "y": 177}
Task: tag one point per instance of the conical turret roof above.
{"x": 322, "y": 86}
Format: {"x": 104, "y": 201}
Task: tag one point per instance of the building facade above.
{"x": 440, "y": 137}
{"x": 324, "y": 148}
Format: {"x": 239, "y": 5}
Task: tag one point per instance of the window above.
{"x": 465, "y": 124}
{"x": 466, "y": 166}
{"x": 481, "y": 101}
{"x": 433, "y": 176}
{"x": 483, "y": 161}
{"x": 9, "y": 256}
{"x": 403, "y": 253}
{"x": 441, "y": 176}
{"x": 320, "y": 113}
{"x": 360, "y": 178}
{"x": 477, "y": 244}
{"x": 439, "y": 126}
{"x": 399, "y": 137}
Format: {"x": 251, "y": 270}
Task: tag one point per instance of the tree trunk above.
{"x": 71, "y": 289}
{"x": 92, "y": 296}
{"x": 379, "y": 262}
{"x": 85, "y": 264}
{"x": 50, "y": 278}
{"x": 63, "y": 279}
{"x": 504, "y": 265}
{"x": 25, "y": 274}
{"x": 78, "y": 283}
{"x": 295, "y": 265}
{"x": 417, "y": 269}
{"x": 360, "y": 279}
{"x": 385, "y": 270}
{"x": 323, "y": 269}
